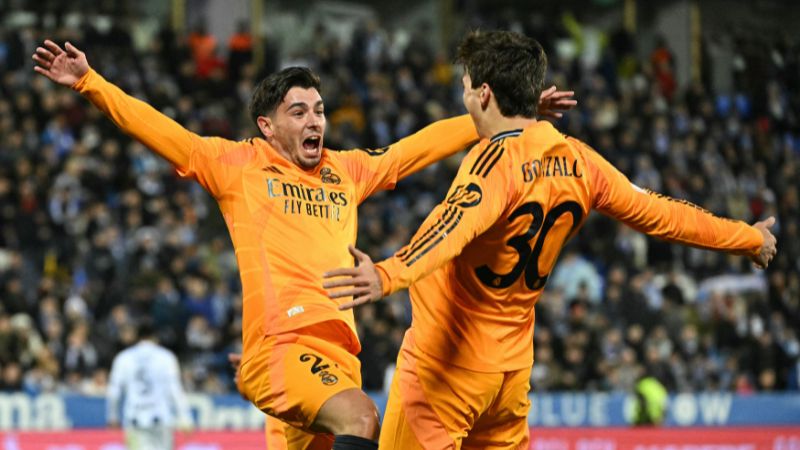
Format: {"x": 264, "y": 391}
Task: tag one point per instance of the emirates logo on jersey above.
{"x": 329, "y": 177}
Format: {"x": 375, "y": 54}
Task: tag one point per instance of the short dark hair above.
{"x": 511, "y": 64}
{"x": 271, "y": 90}
{"x": 146, "y": 329}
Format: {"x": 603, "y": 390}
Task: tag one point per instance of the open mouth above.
{"x": 311, "y": 145}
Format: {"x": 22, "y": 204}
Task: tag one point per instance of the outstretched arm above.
{"x": 69, "y": 67}
{"x": 377, "y": 169}
{"x": 675, "y": 220}
{"x": 446, "y": 137}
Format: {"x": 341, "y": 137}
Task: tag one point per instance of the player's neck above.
{"x": 494, "y": 123}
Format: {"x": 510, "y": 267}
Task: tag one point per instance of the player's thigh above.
{"x": 396, "y": 433}
{"x": 282, "y": 436}
{"x": 504, "y": 425}
{"x": 436, "y": 402}
{"x": 292, "y": 380}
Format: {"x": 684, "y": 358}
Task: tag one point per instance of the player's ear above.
{"x": 485, "y": 95}
{"x": 265, "y": 125}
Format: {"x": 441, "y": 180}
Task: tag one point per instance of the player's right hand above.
{"x": 236, "y": 361}
{"x": 362, "y": 282}
{"x": 65, "y": 67}
{"x": 769, "y": 247}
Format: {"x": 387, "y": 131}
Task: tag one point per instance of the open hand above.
{"x": 363, "y": 281}
{"x": 769, "y": 247}
{"x": 552, "y": 103}
{"x": 63, "y": 67}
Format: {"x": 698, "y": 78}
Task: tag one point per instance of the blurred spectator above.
{"x": 546, "y": 374}
{"x": 89, "y": 244}
{"x": 203, "y": 46}
{"x": 240, "y": 51}
{"x": 663, "y": 65}
{"x": 80, "y": 355}
{"x": 576, "y": 277}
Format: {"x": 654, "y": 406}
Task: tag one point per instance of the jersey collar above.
{"x": 505, "y": 134}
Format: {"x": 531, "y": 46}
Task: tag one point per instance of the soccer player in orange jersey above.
{"x": 289, "y": 205}
{"x": 479, "y": 262}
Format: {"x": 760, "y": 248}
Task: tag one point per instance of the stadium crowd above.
{"x": 96, "y": 232}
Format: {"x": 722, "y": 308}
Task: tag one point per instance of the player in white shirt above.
{"x": 148, "y": 377}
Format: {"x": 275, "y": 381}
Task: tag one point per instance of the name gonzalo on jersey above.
{"x": 550, "y": 166}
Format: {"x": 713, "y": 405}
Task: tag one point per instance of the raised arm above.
{"x": 674, "y": 220}
{"x": 446, "y": 137}
{"x": 378, "y": 169}
{"x": 69, "y": 67}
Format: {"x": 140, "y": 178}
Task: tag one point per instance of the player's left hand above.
{"x": 235, "y": 359}
{"x": 769, "y": 247}
{"x": 553, "y": 103}
{"x": 363, "y": 281}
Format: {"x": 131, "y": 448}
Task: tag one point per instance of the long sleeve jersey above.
{"x": 288, "y": 225}
{"x": 479, "y": 262}
{"x": 148, "y": 378}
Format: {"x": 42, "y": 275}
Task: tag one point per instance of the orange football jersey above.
{"x": 288, "y": 225}
{"x": 479, "y": 262}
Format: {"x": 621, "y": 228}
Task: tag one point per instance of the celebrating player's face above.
{"x": 297, "y": 127}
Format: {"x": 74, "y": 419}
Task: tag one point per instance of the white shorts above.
{"x": 151, "y": 438}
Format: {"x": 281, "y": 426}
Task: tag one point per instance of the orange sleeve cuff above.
{"x": 81, "y": 84}
{"x": 386, "y": 281}
{"x": 759, "y": 238}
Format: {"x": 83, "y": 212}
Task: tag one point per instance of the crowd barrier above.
{"x": 49, "y": 412}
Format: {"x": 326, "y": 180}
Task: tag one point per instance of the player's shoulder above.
{"x": 123, "y": 357}
{"x": 334, "y": 167}
{"x": 244, "y": 151}
{"x": 358, "y": 152}
{"x": 487, "y": 154}
{"x": 163, "y": 351}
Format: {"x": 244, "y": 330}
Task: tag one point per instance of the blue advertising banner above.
{"x": 20, "y": 411}
{"x": 684, "y": 410}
